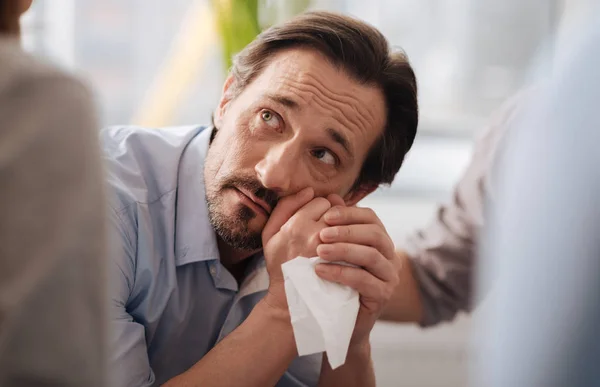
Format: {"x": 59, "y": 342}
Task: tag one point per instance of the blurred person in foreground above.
{"x": 315, "y": 114}
{"x": 542, "y": 246}
{"x": 437, "y": 264}
{"x": 52, "y": 320}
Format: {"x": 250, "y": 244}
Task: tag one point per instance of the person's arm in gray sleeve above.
{"x": 438, "y": 261}
{"x": 52, "y": 315}
{"x": 542, "y": 249}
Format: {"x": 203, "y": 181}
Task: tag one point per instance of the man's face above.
{"x": 301, "y": 123}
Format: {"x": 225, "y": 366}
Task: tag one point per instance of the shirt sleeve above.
{"x": 129, "y": 365}
{"x": 443, "y": 253}
{"x": 52, "y": 291}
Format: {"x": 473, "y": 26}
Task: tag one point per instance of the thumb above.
{"x": 336, "y": 200}
{"x": 284, "y": 210}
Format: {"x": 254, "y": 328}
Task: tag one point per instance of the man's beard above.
{"x": 234, "y": 230}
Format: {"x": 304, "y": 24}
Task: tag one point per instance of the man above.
{"x": 52, "y": 282}
{"x": 437, "y": 264}
{"x": 316, "y": 112}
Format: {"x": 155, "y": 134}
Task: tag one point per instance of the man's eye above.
{"x": 270, "y": 118}
{"x": 267, "y": 115}
{"x": 324, "y": 156}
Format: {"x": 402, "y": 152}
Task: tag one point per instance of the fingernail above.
{"x": 324, "y": 249}
{"x": 332, "y": 214}
{"x": 330, "y": 233}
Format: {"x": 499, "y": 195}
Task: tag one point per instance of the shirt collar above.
{"x": 195, "y": 239}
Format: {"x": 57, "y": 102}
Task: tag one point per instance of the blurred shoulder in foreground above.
{"x": 542, "y": 240}
{"x": 52, "y": 236}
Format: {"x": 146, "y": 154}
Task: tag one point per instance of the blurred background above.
{"x": 162, "y": 63}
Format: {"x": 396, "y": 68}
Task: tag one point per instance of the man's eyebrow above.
{"x": 283, "y": 100}
{"x": 340, "y": 139}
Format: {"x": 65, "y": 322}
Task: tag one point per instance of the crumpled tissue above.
{"x": 323, "y": 313}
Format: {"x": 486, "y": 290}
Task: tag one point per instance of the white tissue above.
{"x": 323, "y": 313}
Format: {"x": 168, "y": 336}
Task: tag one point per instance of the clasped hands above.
{"x": 304, "y": 225}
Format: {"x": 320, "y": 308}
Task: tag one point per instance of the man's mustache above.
{"x": 269, "y": 196}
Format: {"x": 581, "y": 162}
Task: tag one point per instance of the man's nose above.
{"x": 277, "y": 168}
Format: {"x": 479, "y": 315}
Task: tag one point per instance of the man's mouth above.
{"x": 256, "y": 200}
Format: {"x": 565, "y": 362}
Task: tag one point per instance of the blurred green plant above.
{"x": 237, "y": 25}
{"x": 240, "y": 21}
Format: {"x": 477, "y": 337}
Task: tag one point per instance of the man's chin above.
{"x": 245, "y": 235}
{"x": 239, "y": 226}
{"x": 240, "y": 241}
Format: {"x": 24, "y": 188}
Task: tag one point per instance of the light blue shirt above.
{"x": 171, "y": 300}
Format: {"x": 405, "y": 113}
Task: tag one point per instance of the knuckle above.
{"x": 370, "y": 213}
{"x": 322, "y": 202}
{"x": 287, "y": 227}
{"x": 343, "y": 249}
{"x": 292, "y": 227}
{"x": 386, "y": 293}
{"x": 346, "y": 231}
{"x": 372, "y": 257}
{"x": 395, "y": 278}
{"x": 379, "y": 237}
{"x": 389, "y": 288}
{"x": 390, "y": 240}
{"x": 383, "y": 293}
{"x": 313, "y": 241}
{"x": 361, "y": 283}
{"x": 336, "y": 271}
{"x": 395, "y": 282}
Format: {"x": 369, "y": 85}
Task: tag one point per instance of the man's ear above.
{"x": 359, "y": 193}
{"x": 226, "y": 97}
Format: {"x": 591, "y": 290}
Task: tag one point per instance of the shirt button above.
{"x": 213, "y": 270}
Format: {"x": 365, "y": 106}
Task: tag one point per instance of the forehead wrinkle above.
{"x": 282, "y": 80}
{"x": 300, "y": 78}
{"x": 346, "y": 98}
{"x": 299, "y": 89}
{"x": 343, "y": 97}
{"x": 329, "y": 103}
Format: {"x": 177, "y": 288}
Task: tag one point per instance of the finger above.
{"x": 363, "y": 234}
{"x": 336, "y": 200}
{"x": 358, "y": 279}
{"x": 314, "y": 209}
{"x": 342, "y": 215}
{"x": 284, "y": 210}
{"x": 366, "y": 257}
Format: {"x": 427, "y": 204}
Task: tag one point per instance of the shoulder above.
{"x": 38, "y": 99}
{"x": 23, "y": 73}
{"x": 491, "y": 137}
{"x": 142, "y": 164}
{"x": 44, "y": 113}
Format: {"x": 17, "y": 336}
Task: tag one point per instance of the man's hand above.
{"x": 292, "y": 230}
{"x": 357, "y": 236}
